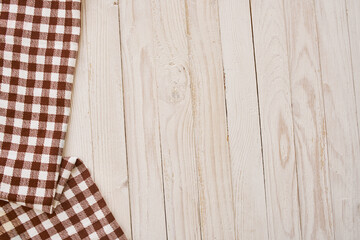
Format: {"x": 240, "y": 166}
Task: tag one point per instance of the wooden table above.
{"x": 222, "y": 119}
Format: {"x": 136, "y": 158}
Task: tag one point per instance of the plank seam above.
{"x": 124, "y": 114}
{"x": 258, "y": 103}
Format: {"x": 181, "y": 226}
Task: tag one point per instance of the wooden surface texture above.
{"x": 222, "y": 119}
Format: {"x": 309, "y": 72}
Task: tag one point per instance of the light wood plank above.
{"x": 106, "y": 107}
{"x": 208, "y": 98}
{"x": 353, "y": 10}
{"x": 309, "y": 121}
{"x": 243, "y": 120}
{"x": 100, "y": 106}
{"x": 78, "y": 140}
{"x": 176, "y": 119}
{"x": 270, "y": 41}
{"x": 353, "y": 13}
{"x": 340, "y": 111}
{"x": 142, "y": 121}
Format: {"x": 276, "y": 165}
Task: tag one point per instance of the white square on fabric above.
{"x": 12, "y": 155}
{"x": 19, "y": 106}
{"x": 45, "y": 158}
{"x": 47, "y": 224}
{"x": 3, "y": 103}
{"x": 24, "y": 58}
{"x": 50, "y": 126}
{"x": 18, "y": 122}
{"x": 60, "y": 29}
{"x": 62, "y": 216}
{"x": 67, "y": 94}
{"x": 25, "y": 42}
{"x": 76, "y": 30}
{"x": 27, "y": 26}
{"x": 69, "y": 194}
{"x": 5, "y": 87}
{"x": 25, "y": 173}
{"x": 32, "y": 232}
{"x": 73, "y": 46}
{"x": 54, "y": 77}
{"x": 42, "y": 44}
{"x": 21, "y": 90}
{"x": 40, "y": 191}
{"x": 58, "y": 45}
{"x": 61, "y": 13}
{"x": 53, "y": 93}
{"x": 71, "y": 230}
{"x": 86, "y": 222}
{"x": 29, "y": 10}
{"x": 15, "y": 139}
{"x": 40, "y": 59}
{"x": 6, "y": 72}
{"x": 32, "y": 141}
{"x": 47, "y": 142}
{"x": 42, "y": 175}
{"x": 4, "y": 187}
{"x": 2, "y": 120}
{"x": 13, "y": 8}
{"x": 34, "y": 124}
{"x": 23, "y": 74}
{"x": 46, "y": 12}
{"x": 99, "y": 214}
{"x": 91, "y": 200}
{"x": 8, "y": 38}
{"x": 83, "y": 186}
{"x": 44, "y": 28}
{"x": 23, "y": 189}
{"x": 51, "y": 109}
{"x": 29, "y": 157}
{"x": 72, "y": 62}
{"x": 108, "y": 229}
{"x": 8, "y": 171}
{"x": 24, "y": 217}
{"x": 94, "y": 235}
{"x": 56, "y": 60}
{"x": 8, "y": 55}
{"x": 77, "y": 208}
{"x": 39, "y": 76}
{"x": 8, "y": 226}
{"x": 36, "y": 108}
{"x": 37, "y": 92}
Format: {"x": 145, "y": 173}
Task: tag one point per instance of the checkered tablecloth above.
{"x": 42, "y": 194}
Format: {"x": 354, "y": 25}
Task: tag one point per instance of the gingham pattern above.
{"x": 82, "y": 213}
{"x": 44, "y": 196}
{"x": 39, "y": 43}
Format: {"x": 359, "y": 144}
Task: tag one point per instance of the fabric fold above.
{"x": 42, "y": 194}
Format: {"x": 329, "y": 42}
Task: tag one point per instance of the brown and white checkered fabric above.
{"x": 81, "y": 212}
{"x": 42, "y": 194}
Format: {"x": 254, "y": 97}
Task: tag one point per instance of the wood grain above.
{"x": 309, "y": 121}
{"x": 340, "y": 112}
{"x": 243, "y": 120}
{"x": 271, "y": 54}
{"x": 142, "y": 121}
{"x": 222, "y": 119}
{"x": 100, "y": 109}
{"x": 176, "y": 119}
{"x": 353, "y": 13}
{"x": 208, "y": 99}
